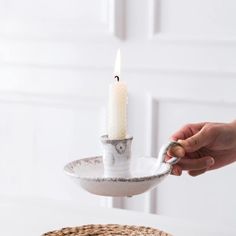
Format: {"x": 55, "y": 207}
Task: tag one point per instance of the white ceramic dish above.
{"x": 145, "y": 175}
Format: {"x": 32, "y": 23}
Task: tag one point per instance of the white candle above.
{"x": 117, "y": 108}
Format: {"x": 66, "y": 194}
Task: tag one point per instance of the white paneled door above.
{"x": 56, "y": 62}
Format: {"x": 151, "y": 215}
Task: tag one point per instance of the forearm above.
{"x": 233, "y": 126}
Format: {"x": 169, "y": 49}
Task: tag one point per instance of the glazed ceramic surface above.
{"x": 145, "y": 174}
{"x": 116, "y": 157}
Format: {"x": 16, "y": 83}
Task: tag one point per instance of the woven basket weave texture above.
{"x": 107, "y": 230}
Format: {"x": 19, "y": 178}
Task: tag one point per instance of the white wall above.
{"x": 56, "y": 62}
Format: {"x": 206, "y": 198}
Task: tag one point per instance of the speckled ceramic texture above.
{"x": 116, "y": 156}
{"x": 144, "y": 175}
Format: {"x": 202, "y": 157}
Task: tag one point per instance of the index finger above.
{"x": 187, "y": 131}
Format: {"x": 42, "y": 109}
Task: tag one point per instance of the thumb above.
{"x": 195, "y": 142}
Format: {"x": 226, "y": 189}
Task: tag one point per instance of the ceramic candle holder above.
{"x": 116, "y": 157}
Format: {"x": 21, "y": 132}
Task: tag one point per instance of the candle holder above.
{"x": 116, "y": 156}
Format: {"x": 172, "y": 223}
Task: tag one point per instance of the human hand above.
{"x": 205, "y": 146}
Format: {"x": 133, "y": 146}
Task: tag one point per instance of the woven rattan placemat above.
{"x": 107, "y": 230}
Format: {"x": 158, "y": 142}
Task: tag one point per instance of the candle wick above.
{"x": 117, "y": 77}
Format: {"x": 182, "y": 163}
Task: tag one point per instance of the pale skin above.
{"x": 205, "y": 146}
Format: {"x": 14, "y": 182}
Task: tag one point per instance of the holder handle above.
{"x": 163, "y": 152}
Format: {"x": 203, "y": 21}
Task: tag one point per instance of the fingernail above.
{"x": 210, "y": 162}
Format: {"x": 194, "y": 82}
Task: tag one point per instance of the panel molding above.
{"x": 169, "y": 121}
{"x": 115, "y": 17}
{"x": 110, "y": 23}
{"x": 50, "y": 100}
{"x": 154, "y": 30}
{"x": 153, "y": 18}
{"x": 175, "y": 58}
{"x": 152, "y": 142}
{"x": 199, "y": 71}
{"x": 59, "y": 102}
{"x": 151, "y": 148}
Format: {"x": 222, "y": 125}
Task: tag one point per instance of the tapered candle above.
{"x": 117, "y": 109}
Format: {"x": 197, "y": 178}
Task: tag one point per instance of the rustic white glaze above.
{"x": 144, "y": 175}
{"x": 116, "y": 156}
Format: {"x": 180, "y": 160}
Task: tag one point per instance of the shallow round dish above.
{"x": 146, "y": 173}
